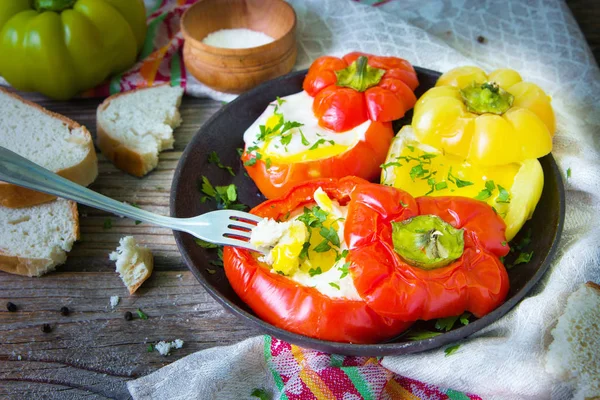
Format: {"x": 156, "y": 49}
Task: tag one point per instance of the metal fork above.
{"x": 225, "y": 227}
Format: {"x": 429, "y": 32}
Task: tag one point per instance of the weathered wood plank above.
{"x": 94, "y": 349}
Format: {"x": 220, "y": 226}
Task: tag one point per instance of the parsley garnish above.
{"x": 219, "y": 261}
{"x": 280, "y": 101}
{"x": 451, "y": 349}
{"x": 205, "y": 244}
{"x": 331, "y": 235}
{"x": 446, "y": 324}
{"x": 213, "y": 158}
{"x": 421, "y": 335}
{"x": 107, "y": 223}
{"x": 240, "y": 151}
{"x": 458, "y": 182}
{"x": 150, "y": 348}
{"x": 322, "y": 247}
{"x": 344, "y": 269}
{"x": 314, "y": 217}
{"x": 411, "y": 148}
{"x": 305, "y": 142}
{"x": 568, "y": 172}
{"x": 268, "y": 163}
{"x": 487, "y": 192}
{"x": 315, "y": 271}
{"x": 225, "y": 196}
{"x": 141, "y": 314}
{"x": 503, "y": 195}
{"x": 523, "y": 258}
{"x": 503, "y": 243}
{"x": 417, "y": 172}
{"x": 211, "y": 271}
{"x": 304, "y": 252}
{"x": 262, "y": 394}
{"x": 403, "y": 204}
{"x": 341, "y": 255}
{"x": 334, "y": 285}
{"x": 441, "y": 185}
{"x": 320, "y": 142}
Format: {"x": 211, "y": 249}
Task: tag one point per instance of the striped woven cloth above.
{"x": 303, "y": 374}
{"x": 299, "y": 374}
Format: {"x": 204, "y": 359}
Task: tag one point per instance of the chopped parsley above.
{"x": 341, "y": 255}
{"x": 225, "y": 197}
{"x": 137, "y": 222}
{"x": 213, "y": 158}
{"x": 441, "y": 185}
{"x": 205, "y": 244}
{"x": 334, "y": 285}
{"x": 446, "y": 324}
{"x": 568, "y": 172}
{"x": 503, "y": 195}
{"x": 344, "y": 270}
{"x": 211, "y": 271}
{"x": 486, "y": 193}
{"x": 417, "y": 172}
{"x": 240, "y": 151}
{"x": 141, "y": 314}
{"x": 320, "y": 142}
{"x": 219, "y": 261}
{"x": 262, "y": 394}
{"x": 457, "y": 181}
{"x": 422, "y": 335}
{"x": 451, "y": 349}
{"x": 523, "y": 258}
{"x": 268, "y": 163}
{"x": 280, "y": 101}
{"x": 315, "y": 271}
{"x": 107, "y": 223}
{"x": 150, "y": 348}
{"x": 305, "y": 142}
{"x": 403, "y": 204}
{"x": 313, "y": 217}
{"x": 411, "y": 148}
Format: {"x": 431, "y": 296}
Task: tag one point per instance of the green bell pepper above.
{"x": 62, "y": 47}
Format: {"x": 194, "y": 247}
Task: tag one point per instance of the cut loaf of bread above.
{"x": 575, "y": 352}
{"x": 35, "y": 240}
{"x": 134, "y": 263}
{"x": 48, "y": 139}
{"x": 133, "y": 127}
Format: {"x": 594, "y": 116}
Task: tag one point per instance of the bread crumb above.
{"x": 164, "y": 348}
{"x": 134, "y": 263}
{"x": 114, "y": 301}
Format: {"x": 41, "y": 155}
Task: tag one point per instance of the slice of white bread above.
{"x": 50, "y": 140}
{"x": 35, "y": 240}
{"x": 134, "y": 263}
{"x": 575, "y": 352}
{"x": 133, "y": 127}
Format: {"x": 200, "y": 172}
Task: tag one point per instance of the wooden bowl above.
{"x": 237, "y": 70}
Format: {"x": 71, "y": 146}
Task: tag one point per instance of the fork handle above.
{"x": 22, "y": 172}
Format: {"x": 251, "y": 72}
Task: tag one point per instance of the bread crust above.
{"x": 25, "y": 266}
{"x": 84, "y": 173}
{"x": 118, "y": 153}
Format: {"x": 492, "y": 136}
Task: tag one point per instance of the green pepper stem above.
{"x": 486, "y": 98}
{"x": 427, "y": 241}
{"x": 53, "y": 5}
{"x": 359, "y": 75}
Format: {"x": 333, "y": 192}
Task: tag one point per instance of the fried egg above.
{"x": 309, "y": 248}
{"x": 288, "y": 132}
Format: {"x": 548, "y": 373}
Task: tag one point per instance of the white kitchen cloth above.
{"x": 541, "y": 40}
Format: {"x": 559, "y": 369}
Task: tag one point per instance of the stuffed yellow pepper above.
{"x": 477, "y": 135}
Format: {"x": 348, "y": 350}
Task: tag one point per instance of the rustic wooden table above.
{"x": 94, "y": 351}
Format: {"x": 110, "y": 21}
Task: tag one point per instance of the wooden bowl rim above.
{"x": 198, "y": 44}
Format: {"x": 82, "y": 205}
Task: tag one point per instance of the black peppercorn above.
{"x": 64, "y": 311}
{"x": 46, "y": 328}
{"x": 128, "y": 316}
{"x": 11, "y": 307}
{"x": 481, "y": 39}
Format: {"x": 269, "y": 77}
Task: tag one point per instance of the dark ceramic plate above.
{"x": 223, "y": 134}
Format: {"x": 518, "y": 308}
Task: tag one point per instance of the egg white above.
{"x": 298, "y": 108}
{"x": 269, "y": 232}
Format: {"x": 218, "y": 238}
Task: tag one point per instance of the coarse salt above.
{"x": 237, "y": 38}
{"x": 114, "y": 301}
